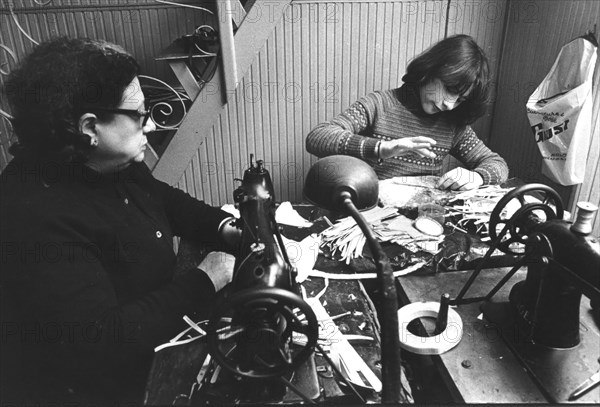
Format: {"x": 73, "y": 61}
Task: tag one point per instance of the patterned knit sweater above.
{"x": 394, "y": 114}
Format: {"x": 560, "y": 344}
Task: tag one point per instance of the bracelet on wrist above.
{"x": 378, "y": 152}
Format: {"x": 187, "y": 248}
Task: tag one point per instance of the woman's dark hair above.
{"x": 462, "y": 67}
{"x": 58, "y": 82}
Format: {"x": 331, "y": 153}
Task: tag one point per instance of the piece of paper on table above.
{"x": 303, "y": 255}
{"x": 364, "y": 276}
{"x": 287, "y": 215}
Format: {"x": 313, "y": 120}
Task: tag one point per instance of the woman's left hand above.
{"x": 460, "y": 179}
{"x": 218, "y": 266}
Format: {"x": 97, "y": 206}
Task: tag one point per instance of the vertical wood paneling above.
{"x": 286, "y": 107}
{"x": 307, "y": 80}
{"x": 535, "y": 32}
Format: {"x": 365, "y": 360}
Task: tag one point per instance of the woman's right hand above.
{"x": 219, "y": 268}
{"x": 420, "y": 145}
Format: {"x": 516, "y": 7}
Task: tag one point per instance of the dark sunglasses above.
{"x": 140, "y": 113}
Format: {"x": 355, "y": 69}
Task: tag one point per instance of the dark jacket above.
{"x": 87, "y": 278}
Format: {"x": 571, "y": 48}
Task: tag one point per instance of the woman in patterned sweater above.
{"x": 410, "y": 130}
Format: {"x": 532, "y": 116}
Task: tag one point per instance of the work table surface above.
{"x": 482, "y": 368}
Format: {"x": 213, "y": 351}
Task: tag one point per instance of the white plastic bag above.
{"x": 560, "y": 112}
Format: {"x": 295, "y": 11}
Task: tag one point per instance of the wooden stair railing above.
{"x": 237, "y": 52}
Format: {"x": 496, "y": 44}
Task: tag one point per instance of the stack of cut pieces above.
{"x": 477, "y": 206}
{"x": 346, "y": 239}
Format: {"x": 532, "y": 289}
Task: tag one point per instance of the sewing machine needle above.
{"x": 584, "y": 387}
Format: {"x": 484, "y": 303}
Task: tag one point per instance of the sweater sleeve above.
{"x": 477, "y": 157}
{"x": 348, "y": 133}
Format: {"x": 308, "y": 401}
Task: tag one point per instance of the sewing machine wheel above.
{"x": 508, "y": 219}
{"x": 256, "y": 342}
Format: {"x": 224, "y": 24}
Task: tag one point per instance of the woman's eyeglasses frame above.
{"x": 144, "y": 113}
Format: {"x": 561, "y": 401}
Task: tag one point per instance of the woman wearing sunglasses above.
{"x": 87, "y": 263}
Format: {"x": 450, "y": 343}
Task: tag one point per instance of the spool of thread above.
{"x": 585, "y": 218}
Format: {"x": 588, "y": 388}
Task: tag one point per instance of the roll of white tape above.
{"x": 431, "y": 345}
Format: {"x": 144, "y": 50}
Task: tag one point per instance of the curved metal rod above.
{"x": 14, "y": 17}
{"x": 6, "y": 115}
{"x": 390, "y": 339}
{"x": 203, "y": 52}
{"x": 12, "y": 54}
{"x": 184, "y": 5}
{"x": 459, "y": 298}
{"x": 176, "y": 125}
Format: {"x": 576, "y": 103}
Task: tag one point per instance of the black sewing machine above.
{"x": 541, "y": 321}
{"x": 254, "y": 331}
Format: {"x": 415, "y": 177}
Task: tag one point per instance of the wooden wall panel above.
{"x": 535, "y": 32}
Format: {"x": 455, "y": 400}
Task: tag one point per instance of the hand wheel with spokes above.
{"x": 257, "y": 342}
{"x": 518, "y": 211}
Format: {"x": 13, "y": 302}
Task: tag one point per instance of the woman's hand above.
{"x": 420, "y": 145}
{"x": 219, "y": 268}
{"x": 460, "y": 179}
